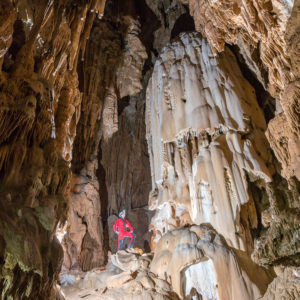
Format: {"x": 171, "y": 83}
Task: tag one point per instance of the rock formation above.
{"x": 41, "y": 42}
{"x": 102, "y": 100}
{"x": 197, "y": 261}
{"x": 127, "y": 276}
{"x": 285, "y": 286}
{"x": 110, "y": 129}
{"x": 209, "y": 156}
{"x": 267, "y": 34}
{"x": 202, "y": 124}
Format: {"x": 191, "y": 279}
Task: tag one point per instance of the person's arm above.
{"x": 129, "y": 226}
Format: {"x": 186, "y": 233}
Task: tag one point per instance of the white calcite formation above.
{"x": 205, "y": 134}
{"x": 206, "y": 142}
{"x": 198, "y": 262}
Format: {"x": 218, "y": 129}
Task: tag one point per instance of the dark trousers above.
{"x": 121, "y": 242}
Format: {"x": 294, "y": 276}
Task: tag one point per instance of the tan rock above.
{"x": 126, "y": 260}
{"x": 40, "y": 44}
{"x": 267, "y": 34}
{"x": 109, "y": 284}
{"x": 203, "y": 263}
{"x": 118, "y": 280}
{"x": 203, "y": 128}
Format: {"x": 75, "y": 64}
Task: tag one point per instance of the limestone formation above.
{"x": 198, "y": 260}
{"x": 40, "y": 46}
{"x": 84, "y": 242}
{"x": 267, "y": 34}
{"x": 127, "y": 276}
{"x": 285, "y": 286}
{"x": 207, "y": 166}
{"x": 203, "y": 128}
{"x": 116, "y": 183}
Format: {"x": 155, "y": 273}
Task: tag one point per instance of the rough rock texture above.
{"x": 110, "y": 145}
{"x": 203, "y": 145}
{"x": 40, "y": 106}
{"x": 197, "y": 259}
{"x": 125, "y": 160}
{"x": 72, "y": 133}
{"x": 167, "y": 13}
{"x": 285, "y": 286}
{"x": 210, "y": 160}
{"x": 126, "y": 276}
{"x": 95, "y": 76}
{"x": 83, "y": 244}
{"x": 267, "y": 34}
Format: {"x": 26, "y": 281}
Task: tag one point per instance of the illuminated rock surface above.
{"x": 127, "y": 276}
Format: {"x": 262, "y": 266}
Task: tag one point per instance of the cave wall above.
{"x": 110, "y": 144}
{"x": 110, "y": 148}
{"x": 205, "y": 133}
{"x": 40, "y": 107}
{"x": 240, "y": 177}
{"x": 206, "y": 139}
{"x": 83, "y": 243}
{"x": 267, "y": 34}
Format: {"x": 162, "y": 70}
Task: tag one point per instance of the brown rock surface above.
{"x": 285, "y": 286}
{"x": 40, "y": 106}
{"x": 110, "y": 143}
{"x": 84, "y": 241}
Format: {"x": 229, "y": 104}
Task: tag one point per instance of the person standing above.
{"x": 120, "y": 228}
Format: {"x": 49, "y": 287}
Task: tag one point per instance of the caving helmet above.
{"x": 123, "y": 212}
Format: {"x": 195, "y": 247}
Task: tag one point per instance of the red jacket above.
{"x": 121, "y": 226}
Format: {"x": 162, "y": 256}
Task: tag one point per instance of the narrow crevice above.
{"x": 264, "y": 99}
{"x": 149, "y": 24}
{"x": 122, "y": 103}
{"x": 103, "y": 199}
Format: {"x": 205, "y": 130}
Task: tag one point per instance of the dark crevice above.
{"x": 266, "y": 102}
{"x": 18, "y": 40}
{"x": 149, "y": 24}
{"x": 122, "y": 103}
{"x": 80, "y": 72}
{"x": 261, "y": 203}
{"x": 103, "y": 199}
{"x": 162, "y": 9}
{"x": 184, "y": 23}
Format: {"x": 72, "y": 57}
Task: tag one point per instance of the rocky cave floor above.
{"x": 126, "y": 276}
